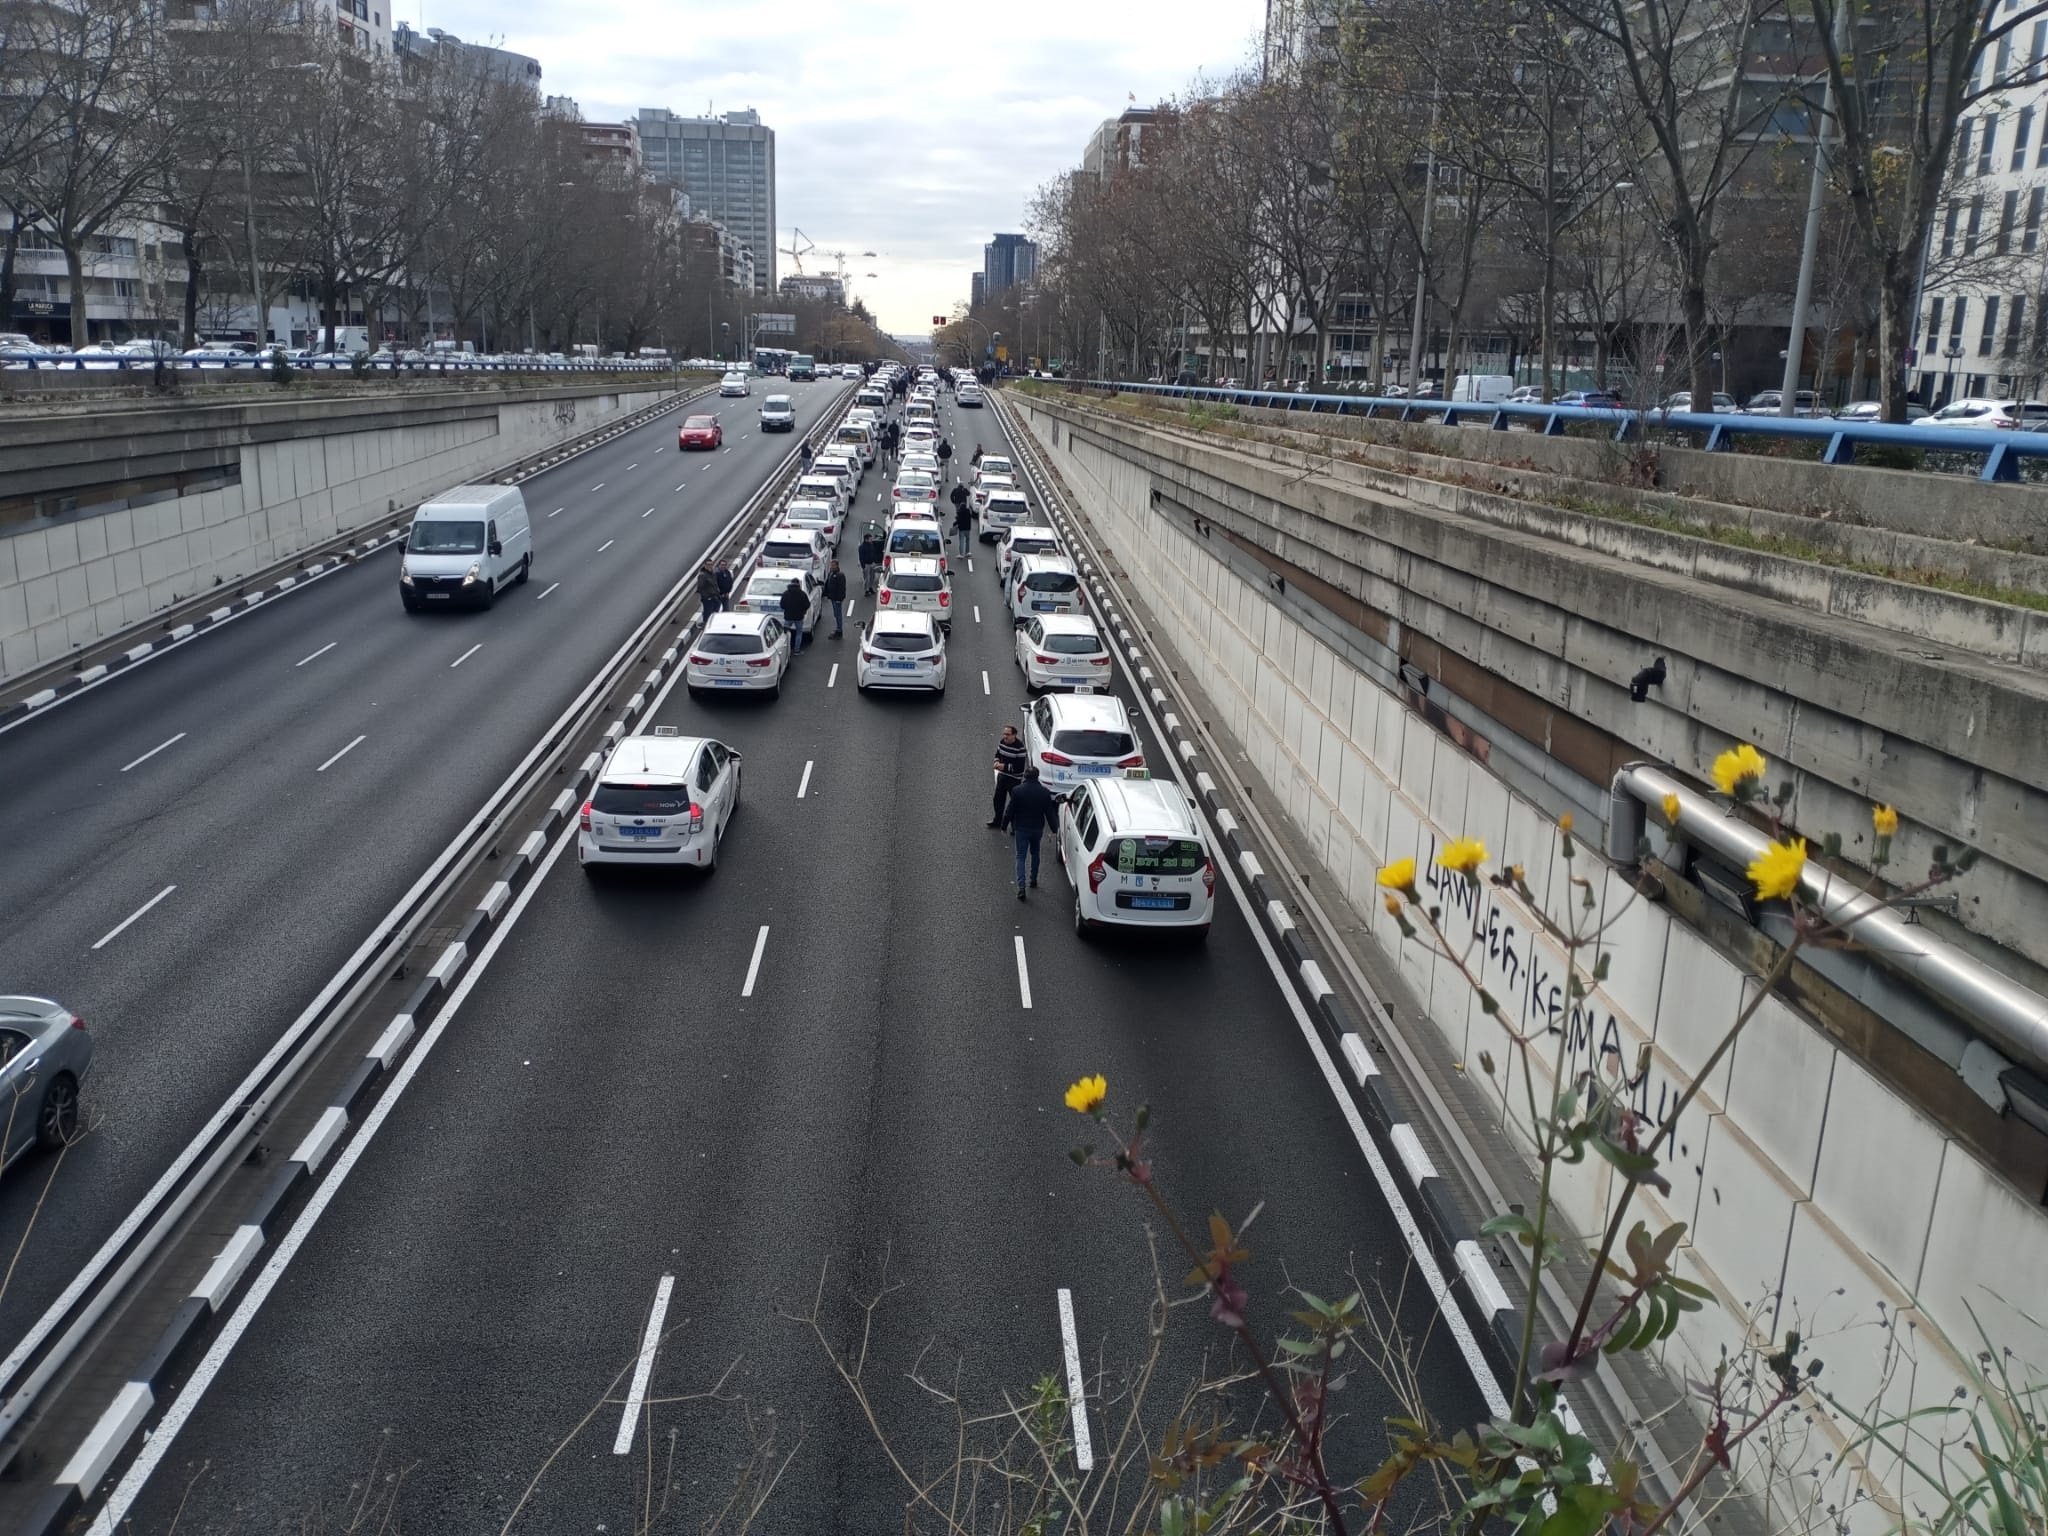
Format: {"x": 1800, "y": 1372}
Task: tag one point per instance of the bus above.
{"x": 773, "y": 359}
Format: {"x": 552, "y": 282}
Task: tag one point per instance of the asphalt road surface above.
{"x": 275, "y": 786}
{"x": 614, "y": 1116}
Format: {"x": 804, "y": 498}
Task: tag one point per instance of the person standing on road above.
{"x": 1009, "y": 771}
{"x": 708, "y": 595}
{"x": 835, "y": 594}
{"x": 870, "y": 561}
{"x": 724, "y": 585}
{"x": 976, "y": 460}
{"x": 795, "y": 605}
{"x": 945, "y": 456}
{"x": 963, "y": 520}
{"x": 1030, "y": 811}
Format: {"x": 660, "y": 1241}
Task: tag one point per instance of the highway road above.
{"x": 195, "y": 846}
{"x": 711, "y": 1091}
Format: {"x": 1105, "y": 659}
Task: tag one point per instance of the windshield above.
{"x": 1093, "y": 743}
{"x": 430, "y": 536}
{"x": 696, "y": 422}
{"x": 1072, "y": 645}
{"x": 731, "y": 645}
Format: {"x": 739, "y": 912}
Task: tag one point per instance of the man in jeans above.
{"x": 1030, "y": 811}
{"x": 835, "y": 594}
{"x": 708, "y": 594}
{"x": 794, "y": 606}
{"x": 1009, "y": 771}
{"x": 963, "y": 520}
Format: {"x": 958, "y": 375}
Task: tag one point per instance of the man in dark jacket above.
{"x": 707, "y": 589}
{"x": 725, "y": 584}
{"x": 870, "y": 560}
{"x": 1030, "y": 811}
{"x": 835, "y": 594}
{"x": 794, "y": 606}
{"x": 963, "y": 520}
{"x": 945, "y": 457}
{"x": 1009, "y": 771}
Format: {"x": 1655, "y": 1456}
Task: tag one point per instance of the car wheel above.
{"x": 1083, "y": 929}
{"x": 696, "y": 693}
{"x": 776, "y": 691}
{"x": 710, "y": 865}
{"x": 57, "y": 1118}
{"x": 490, "y": 597}
{"x": 1199, "y": 936}
{"x": 412, "y": 604}
{"x": 525, "y": 570}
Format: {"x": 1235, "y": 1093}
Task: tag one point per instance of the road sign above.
{"x": 1002, "y": 354}
{"x": 775, "y": 325}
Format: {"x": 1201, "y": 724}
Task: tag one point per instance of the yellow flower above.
{"x": 1564, "y": 822}
{"x": 1671, "y": 809}
{"x": 1399, "y": 875}
{"x": 1737, "y": 767}
{"x": 1393, "y": 905}
{"x": 1885, "y": 819}
{"x": 1463, "y": 856}
{"x": 1086, "y": 1096}
{"x": 1776, "y": 871}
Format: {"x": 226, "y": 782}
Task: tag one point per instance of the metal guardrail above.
{"x": 2001, "y": 450}
{"x": 376, "y": 367}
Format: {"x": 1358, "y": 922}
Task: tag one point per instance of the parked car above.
{"x": 1592, "y": 399}
{"x": 2002, "y": 415}
{"x": 1136, "y": 856}
{"x": 660, "y": 801}
{"x": 1682, "y": 401}
{"x": 1771, "y": 403}
{"x": 1873, "y": 410}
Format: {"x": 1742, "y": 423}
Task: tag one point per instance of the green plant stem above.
{"x": 1706, "y": 1464}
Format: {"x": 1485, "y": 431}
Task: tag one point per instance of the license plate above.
{"x": 1044, "y": 607}
{"x": 1075, "y": 682}
{"x": 729, "y": 682}
{"x": 640, "y": 831}
{"x": 903, "y": 666}
{"x": 437, "y": 597}
{"x": 1095, "y": 768}
{"x": 1156, "y": 903}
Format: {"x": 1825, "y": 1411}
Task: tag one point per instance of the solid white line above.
{"x": 1023, "y": 974}
{"x": 832, "y": 676}
{"x": 115, "y": 932}
{"x": 1077, "y": 1399}
{"x": 344, "y": 752}
{"x": 754, "y": 965}
{"x": 804, "y": 784}
{"x": 330, "y": 645}
{"x": 607, "y": 544}
{"x": 152, "y": 752}
{"x": 458, "y": 661}
{"x": 984, "y": 681}
{"x": 551, "y": 587}
{"x": 650, "y": 1341}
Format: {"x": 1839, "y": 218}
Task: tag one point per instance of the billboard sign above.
{"x": 775, "y": 325}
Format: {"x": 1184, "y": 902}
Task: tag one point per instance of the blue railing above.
{"x": 376, "y": 366}
{"x": 2001, "y": 450}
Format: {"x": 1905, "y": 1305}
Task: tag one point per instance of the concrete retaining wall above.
{"x": 1815, "y": 1196}
{"x": 309, "y": 471}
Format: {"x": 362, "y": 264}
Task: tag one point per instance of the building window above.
{"x": 1963, "y": 146}
{"x": 1975, "y": 226}
{"x": 1990, "y": 331}
{"x": 1934, "y": 327}
{"x": 2039, "y": 47}
{"x": 2015, "y": 323}
{"x": 1955, "y": 323}
{"x": 1989, "y": 146}
{"x": 2022, "y": 130}
{"x": 2008, "y": 216}
{"x": 2004, "y": 65}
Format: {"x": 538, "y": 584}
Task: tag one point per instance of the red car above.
{"x": 700, "y": 432}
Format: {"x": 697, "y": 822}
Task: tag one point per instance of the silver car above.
{"x": 45, "y": 1052}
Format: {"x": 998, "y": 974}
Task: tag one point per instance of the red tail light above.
{"x": 1046, "y": 661}
{"x": 1136, "y": 760}
{"x": 1209, "y": 876}
{"x": 696, "y": 817}
{"x": 1096, "y": 873}
{"x": 765, "y": 661}
{"x": 885, "y": 597}
{"x": 945, "y": 599}
{"x": 871, "y": 656}
{"x": 1056, "y": 758}
{"x": 586, "y": 816}
{"x": 700, "y": 661}
{"x": 77, "y": 1022}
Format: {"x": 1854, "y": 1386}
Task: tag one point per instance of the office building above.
{"x": 1119, "y": 144}
{"x": 447, "y": 51}
{"x": 727, "y": 165}
{"x": 815, "y": 288}
{"x": 977, "y": 290}
{"x": 1007, "y": 261}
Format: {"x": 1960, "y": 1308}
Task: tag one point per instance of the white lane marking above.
{"x": 330, "y": 645}
{"x": 977, "y": 613}
{"x": 1023, "y": 973}
{"x": 344, "y": 752}
{"x": 631, "y": 467}
{"x": 650, "y": 1341}
{"x": 607, "y": 544}
{"x": 679, "y": 487}
{"x": 849, "y": 606}
{"x": 754, "y": 965}
{"x": 648, "y": 513}
{"x": 115, "y": 932}
{"x": 458, "y": 661}
{"x": 152, "y": 752}
{"x": 970, "y": 565}
{"x": 558, "y": 512}
{"x": 599, "y": 486}
{"x": 832, "y": 676}
{"x": 1070, "y": 1347}
{"x": 804, "y": 784}
{"x": 984, "y": 682}
{"x": 551, "y": 587}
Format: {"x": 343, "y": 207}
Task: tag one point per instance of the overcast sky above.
{"x": 915, "y": 130}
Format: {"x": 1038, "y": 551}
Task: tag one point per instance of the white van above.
{"x": 1482, "y": 388}
{"x": 1136, "y": 857}
{"x": 463, "y": 546}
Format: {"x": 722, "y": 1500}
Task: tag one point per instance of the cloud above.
{"x": 915, "y": 130}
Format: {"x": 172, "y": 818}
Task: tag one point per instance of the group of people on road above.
{"x": 1024, "y": 808}
{"x": 714, "y": 586}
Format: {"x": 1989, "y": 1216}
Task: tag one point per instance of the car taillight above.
{"x": 765, "y": 661}
{"x": 1209, "y": 876}
{"x": 586, "y": 815}
{"x": 77, "y": 1022}
{"x": 696, "y": 817}
{"x": 1096, "y": 874}
{"x": 1136, "y": 760}
{"x": 1055, "y": 758}
{"x": 700, "y": 661}
{"x": 1046, "y": 661}
{"x": 871, "y": 656}
{"x": 1098, "y": 661}
{"x": 945, "y": 599}
{"x": 886, "y": 595}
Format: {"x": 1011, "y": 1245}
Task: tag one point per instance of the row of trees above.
{"x": 430, "y": 194}
{"x": 1609, "y": 173}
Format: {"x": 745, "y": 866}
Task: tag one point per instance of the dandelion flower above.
{"x": 1885, "y": 819}
{"x": 1776, "y": 871}
{"x": 1463, "y": 856}
{"x": 1738, "y": 767}
{"x": 1399, "y": 875}
{"x": 1564, "y": 822}
{"x": 1393, "y": 905}
{"x": 1086, "y": 1096}
{"x": 1671, "y": 809}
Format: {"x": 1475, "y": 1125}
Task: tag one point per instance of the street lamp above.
{"x": 1953, "y": 352}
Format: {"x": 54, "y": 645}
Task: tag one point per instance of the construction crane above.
{"x": 799, "y": 245}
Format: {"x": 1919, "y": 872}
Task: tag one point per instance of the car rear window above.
{"x": 788, "y": 549}
{"x": 1034, "y": 546}
{"x": 914, "y": 541}
{"x": 1159, "y": 855}
{"x": 731, "y": 645}
{"x": 1093, "y": 743}
{"x": 1072, "y": 645}
{"x": 909, "y": 583}
{"x": 1052, "y": 581}
{"x": 893, "y": 641}
{"x": 764, "y": 589}
{"x": 641, "y": 799}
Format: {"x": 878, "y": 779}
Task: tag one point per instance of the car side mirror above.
{"x": 497, "y": 548}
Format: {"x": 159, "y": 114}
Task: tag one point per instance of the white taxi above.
{"x": 1136, "y": 857}
{"x": 1076, "y": 737}
{"x": 900, "y": 648}
{"x": 1062, "y": 650}
{"x": 660, "y": 802}
{"x": 738, "y": 653}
